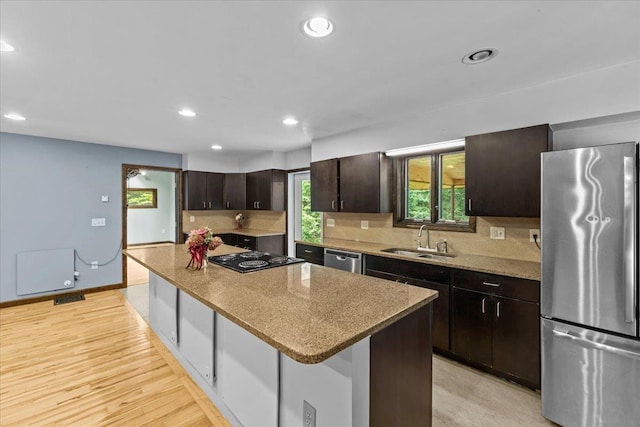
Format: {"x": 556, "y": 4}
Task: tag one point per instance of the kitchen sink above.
{"x": 416, "y": 253}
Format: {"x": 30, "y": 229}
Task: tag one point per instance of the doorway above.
{"x": 151, "y": 213}
{"x": 303, "y": 223}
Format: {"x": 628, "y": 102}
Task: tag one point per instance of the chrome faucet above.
{"x": 423, "y": 227}
{"x": 428, "y": 247}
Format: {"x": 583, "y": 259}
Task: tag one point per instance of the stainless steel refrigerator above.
{"x": 589, "y": 292}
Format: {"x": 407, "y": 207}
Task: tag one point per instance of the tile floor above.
{"x": 462, "y": 396}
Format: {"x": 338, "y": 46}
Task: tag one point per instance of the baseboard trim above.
{"x": 53, "y": 296}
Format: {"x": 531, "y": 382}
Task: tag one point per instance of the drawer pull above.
{"x": 495, "y": 285}
{"x": 307, "y": 251}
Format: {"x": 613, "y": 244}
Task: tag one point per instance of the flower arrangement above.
{"x": 199, "y": 241}
{"x": 239, "y": 220}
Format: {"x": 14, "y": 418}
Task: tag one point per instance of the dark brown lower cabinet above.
{"x": 310, "y": 253}
{"x": 516, "y": 338}
{"x": 471, "y": 336}
{"x": 272, "y": 244}
{"x": 424, "y": 276}
{"x": 500, "y": 333}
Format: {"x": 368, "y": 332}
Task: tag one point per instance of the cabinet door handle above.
{"x": 469, "y": 203}
{"x": 341, "y": 204}
{"x": 483, "y": 310}
{"x": 204, "y": 205}
{"x": 495, "y": 285}
{"x": 259, "y": 203}
{"x": 209, "y": 205}
{"x": 498, "y": 309}
{"x": 333, "y": 205}
{"x": 228, "y": 205}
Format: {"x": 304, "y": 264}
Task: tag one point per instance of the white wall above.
{"x": 211, "y": 162}
{"x": 267, "y": 160}
{"x": 608, "y": 130}
{"x": 153, "y": 225}
{"x": 298, "y": 159}
{"x": 604, "y": 92}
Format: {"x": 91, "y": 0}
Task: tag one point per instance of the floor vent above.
{"x": 68, "y": 298}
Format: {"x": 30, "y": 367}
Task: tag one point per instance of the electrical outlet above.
{"x": 308, "y": 414}
{"x": 496, "y": 233}
{"x": 537, "y": 233}
{"x": 331, "y": 222}
{"x": 364, "y": 225}
{"x": 98, "y": 222}
{"x": 94, "y": 265}
{"x": 192, "y": 218}
{"x": 104, "y": 198}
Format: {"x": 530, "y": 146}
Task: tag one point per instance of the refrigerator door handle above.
{"x": 628, "y": 240}
{"x": 604, "y": 347}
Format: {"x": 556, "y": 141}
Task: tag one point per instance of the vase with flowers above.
{"x": 199, "y": 241}
{"x": 239, "y": 220}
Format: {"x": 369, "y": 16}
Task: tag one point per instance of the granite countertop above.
{"x": 306, "y": 311}
{"x": 485, "y": 264}
{"x": 251, "y": 232}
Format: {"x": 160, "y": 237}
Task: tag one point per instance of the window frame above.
{"x": 399, "y": 198}
{"x": 154, "y": 195}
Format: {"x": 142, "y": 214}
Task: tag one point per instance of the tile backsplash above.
{"x": 516, "y": 244}
{"x": 223, "y": 220}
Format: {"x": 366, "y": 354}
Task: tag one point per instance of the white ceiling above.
{"x": 117, "y": 72}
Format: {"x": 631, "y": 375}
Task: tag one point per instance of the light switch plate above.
{"x": 331, "y": 222}
{"x": 364, "y": 225}
{"x": 98, "y": 222}
{"x": 192, "y": 218}
{"x": 104, "y": 198}
{"x": 496, "y": 233}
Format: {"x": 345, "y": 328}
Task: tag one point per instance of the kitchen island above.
{"x": 261, "y": 344}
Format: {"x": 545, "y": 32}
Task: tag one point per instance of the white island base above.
{"x": 253, "y": 384}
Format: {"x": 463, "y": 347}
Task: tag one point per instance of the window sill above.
{"x": 469, "y": 227}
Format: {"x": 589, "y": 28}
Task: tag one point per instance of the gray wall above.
{"x": 153, "y": 224}
{"x": 49, "y": 191}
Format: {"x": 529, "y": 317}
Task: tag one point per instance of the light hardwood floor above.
{"x": 93, "y": 362}
{"x": 97, "y": 362}
{"x": 136, "y": 273}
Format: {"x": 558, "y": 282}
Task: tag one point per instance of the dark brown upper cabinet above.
{"x": 234, "y": 191}
{"x": 503, "y": 172}
{"x": 324, "y": 186}
{"x": 202, "y": 190}
{"x": 266, "y": 190}
{"x": 359, "y": 183}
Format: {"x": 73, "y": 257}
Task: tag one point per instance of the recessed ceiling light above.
{"x": 290, "y": 121}
{"x": 15, "y": 117}
{"x": 187, "y": 113}
{"x": 317, "y": 26}
{"x": 6, "y": 47}
{"x": 143, "y": 173}
{"x": 480, "y": 56}
{"x": 216, "y": 147}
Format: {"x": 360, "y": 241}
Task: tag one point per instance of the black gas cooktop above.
{"x": 252, "y": 261}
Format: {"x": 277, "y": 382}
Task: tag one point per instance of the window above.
{"x": 142, "y": 198}
{"x": 431, "y": 190}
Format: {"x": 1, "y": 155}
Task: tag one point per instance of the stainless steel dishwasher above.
{"x": 342, "y": 260}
